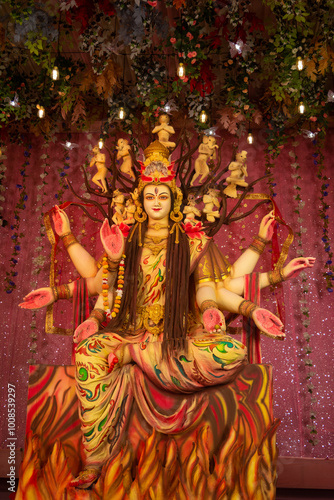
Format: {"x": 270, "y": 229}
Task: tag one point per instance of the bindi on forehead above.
{"x": 156, "y": 190}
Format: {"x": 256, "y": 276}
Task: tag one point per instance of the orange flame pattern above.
{"x": 177, "y": 467}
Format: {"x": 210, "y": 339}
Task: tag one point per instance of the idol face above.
{"x": 157, "y": 201}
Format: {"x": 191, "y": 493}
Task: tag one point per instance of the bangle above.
{"x": 55, "y": 293}
{"x": 61, "y": 292}
{"x": 208, "y": 304}
{"x": 258, "y": 244}
{"x": 246, "y": 308}
{"x": 68, "y": 240}
{"x": 112, "y": 264}
{"x": 99, "y": 315}
{"x": 276, "y": 276}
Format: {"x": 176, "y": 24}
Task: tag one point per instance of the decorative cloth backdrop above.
{"x": 34, "y": 181}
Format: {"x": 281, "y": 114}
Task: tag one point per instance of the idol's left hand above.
{"x": 296, "y": 266}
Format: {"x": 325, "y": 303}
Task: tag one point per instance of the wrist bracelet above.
{"x": 99, "y": 315}
{"x": 68, "y": 240}
{"x": 276, "y": 276}
{"x": 258, "y": 244}
{"x": 246, "y": 308}
{"x": 208, "y": 304}
{"x": 61, "y": 292}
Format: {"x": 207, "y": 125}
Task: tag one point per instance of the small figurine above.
{"x": 238, "y": 169}
{"x": 130, "y": 209}
{"x": 164, "y": 130}
{"x": 210, "y": 200}
{"x": 207, "y": 150}
{"x": 123, "y": 151}
{"x": 191, "y": 209}
{"x": 99, "y": 160}
{"x": 118, "y": 205}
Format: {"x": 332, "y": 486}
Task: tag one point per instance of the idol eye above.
{"x": 163, "y": 197}
{"x": 149, "y": 197}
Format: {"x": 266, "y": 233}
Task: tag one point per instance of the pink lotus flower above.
{"x": 193, "y": 61}
{"x": 189, "y": 35}
{"x": 193, "y": 230}
{"x": 313, "y": 118}
{"x": 152, "y": 4}
{"x": 172, "y": 40}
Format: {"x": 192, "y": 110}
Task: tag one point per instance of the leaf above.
{"x": 79, "y": 110}
{"x": 311, "y": 70}
{"x": 257, "y": 117}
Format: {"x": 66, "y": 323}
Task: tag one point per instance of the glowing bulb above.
{"x": 300, "y": 64}
{"x": 121, "y": 113}
{"x": 101, "y": 143}
{"x": 55, "y": 73}
{"x": 250, "y": 138}
{"x": 301, "y": 108}
{"x": 203, "y": 116}
{"x": 68, "y": 144}
{"x": 167, "y": 108}
{"x": 41, "y": 112}
{"x": 181, "y": 71}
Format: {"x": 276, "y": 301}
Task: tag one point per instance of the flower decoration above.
{"x": 193, "y": 230}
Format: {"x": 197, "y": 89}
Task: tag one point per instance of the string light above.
{"x": 203, "y": 116}
{"x": 41, "y": 111}
{"x": 121, "y": 113}
{"x": 55, "y": 73}
{"x": 101, "y": 142}
{"x": 181, "y": 70}
{"x": 300, "y": 64}
{"x": 250, "y": 138}
{"x": 68, "y": 144}
{"x": 301, "y": 108}
{"x": 166, "y": 108}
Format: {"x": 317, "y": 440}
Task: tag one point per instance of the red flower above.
{"x": 193, "y": 230}
{"x": 152, "y": 4}
{"x": 125, "y": 229}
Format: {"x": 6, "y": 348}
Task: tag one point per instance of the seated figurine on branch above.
{"x": 238, "y": 169}
{"x": 190, "y": 210}
{"x": 164, "y": 131}
{"x": 160, "y": 330}
{"x": 207, "y": 151}
{"x": 123, "y": 152}
{"x": 211, "y": 205}
{"x": 118, "y": 205}
{"x": 99, "y": 160}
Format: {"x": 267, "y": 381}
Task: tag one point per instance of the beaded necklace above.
{"x": 105, "y": 287}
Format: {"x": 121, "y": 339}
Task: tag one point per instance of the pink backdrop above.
{"x": 292, "y": 402}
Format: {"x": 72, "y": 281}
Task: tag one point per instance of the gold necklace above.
{"x": 156, "y": 226}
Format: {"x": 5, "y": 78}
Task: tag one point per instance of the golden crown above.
{"x": 156, "y": 151}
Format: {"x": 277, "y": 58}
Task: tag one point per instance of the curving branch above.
{"x": 93, "y": 202}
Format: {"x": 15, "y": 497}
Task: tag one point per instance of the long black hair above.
{"x": 177, "y": 286}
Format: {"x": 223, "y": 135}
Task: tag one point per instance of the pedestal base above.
{"x": 231, "y": 453}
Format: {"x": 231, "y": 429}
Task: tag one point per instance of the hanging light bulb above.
{"x": 55, "y": 73}
{"x": 101, "y": 142}
{"x": 166, "y": 108}
{"x": 300, "y": 64}
{"x": 41, "y": 111}
{"x": 301, "y": 108}
{"x": 203, "y": 116}
{"x": 250, "y": 138}
{"x": 68, "y": 144}
{"x": 181, "y": 71}
{"x": 121, "y": 113}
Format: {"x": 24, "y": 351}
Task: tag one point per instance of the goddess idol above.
{"x": 161, "y": 290}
